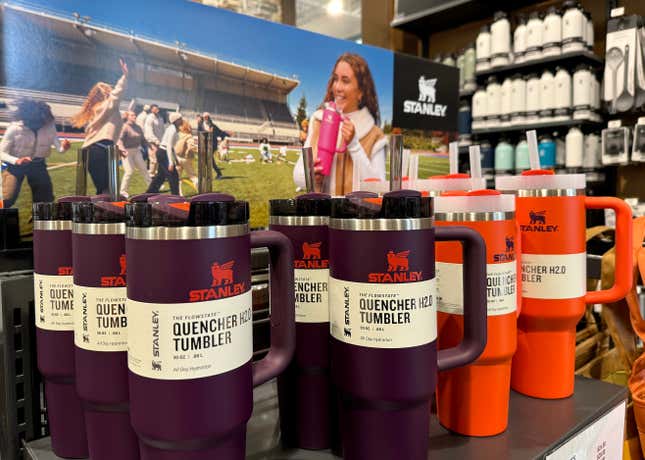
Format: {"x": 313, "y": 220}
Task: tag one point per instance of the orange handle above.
{"x": 623, "y": 278}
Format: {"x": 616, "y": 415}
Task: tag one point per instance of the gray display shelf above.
{"x": 536, "y": 429}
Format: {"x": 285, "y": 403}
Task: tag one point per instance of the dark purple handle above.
{"x": 474, "y": 256}
{"x": 283, "y": 327}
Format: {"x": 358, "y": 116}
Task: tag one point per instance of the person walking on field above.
{"x": 206, "y": 124}
{"x": 166, "y": 157}
{"x": 153, "y": 132}
{"x": 141, "y": 118}
{"x": 185, "y": 148}
{"x": 131, "y": 142}
{"x": 101, "y": 118}
{"x": 25, "y": 146}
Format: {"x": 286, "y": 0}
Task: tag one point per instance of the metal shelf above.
{"x": 585, "y": 124}
{"x": 568, "y": 60}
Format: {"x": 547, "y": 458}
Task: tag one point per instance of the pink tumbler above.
{"x": 328, "y": 137}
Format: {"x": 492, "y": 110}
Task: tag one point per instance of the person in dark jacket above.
{"x": 130, "y": 143}
{"x": 204, "y": 123}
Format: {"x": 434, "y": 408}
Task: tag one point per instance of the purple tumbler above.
{"x": 54, "y": 298}
{"x": 383, "y": 315}
{"x": 100, "y": 328}
{"x": 304, "y": 389}
{"x": 191, "y": 343}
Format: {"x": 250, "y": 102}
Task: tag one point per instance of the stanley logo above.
{"x": 223, "y": 284}
{"x": 509, "y": 255}
{"x": 116, "y": 281}
{"x": 311, "y": 258}
{"x": 65, "y": 271}
{"x": 398, "y": 270}
{"x": 538, "y": 223}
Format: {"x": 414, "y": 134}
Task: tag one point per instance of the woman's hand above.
{"x": 347, "y": 130}
{"x": 124, "y": 153}
{"x": 124, "y": 67}
{"x": 171, "y": 167}
{"x": 65, "y": 145}
{"x": 23, "y": 161}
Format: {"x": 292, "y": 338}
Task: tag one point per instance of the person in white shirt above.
{"x": 153, "y": 130}
{"x": 352, "y": 88}
{"x": 25, "y": 147}
{"x": 141, "y": 118}
{"x": 265, "y": 151}
{"x": 166, "y": 157}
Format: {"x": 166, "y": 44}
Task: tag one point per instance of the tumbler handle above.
{"x": 474, "y": 288}
{"x": 283, "y": 328}
{"x": 623, "y": 278}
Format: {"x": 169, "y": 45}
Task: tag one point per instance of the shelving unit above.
{"x": 568, "y": 60}
{"x": 586, "y": 125}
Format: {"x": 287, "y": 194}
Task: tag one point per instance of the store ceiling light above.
{"x": 335, "y": 7}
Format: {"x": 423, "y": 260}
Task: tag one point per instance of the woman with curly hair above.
{"x": 25, "y": 147}
{"x": 352, "y": 89}
{"x": 101, "y": 118}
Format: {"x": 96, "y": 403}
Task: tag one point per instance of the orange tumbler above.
{"x": 551, "y": 216}
{"x": 473, "y": 400}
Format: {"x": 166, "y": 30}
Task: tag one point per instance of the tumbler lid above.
{"x": 309, "y": 204}
{"x": 449, "y": 182}
{"x": 217, "y": 209}
{"x": 60, "y": 209}
{"x": 499, "y": 15}
{"x": 475, "y": 201}
{"x": 400, "y": 204}
{"x": 97, "y": 212}
{"x": 540, "y": 180}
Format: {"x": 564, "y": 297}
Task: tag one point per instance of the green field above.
{"x": 255, "y": 182}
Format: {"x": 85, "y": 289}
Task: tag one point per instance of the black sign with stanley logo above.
{"x": 426, "y": 94}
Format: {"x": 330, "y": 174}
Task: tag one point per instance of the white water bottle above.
{"x": 480, "y": 109}
{"x": 534, "y": 29}
{"x": 592, "y": 157}
{"x": 518, "y": 100}
{"x": 582, "y": 92}
{"x": 552, "y": 33}
{"x": 482, "y": 48}
{"x": 547, "y": 95}
{"x": 562, "y": 83}
{"x": 494, "y": 101}
{"x": 500, "y": 40}
{"x": 507, "y": 87}
{"x": 519, "y": 40}
{"x": 574, "y": 27}
{"x": 574, "y": 148}
{"x": 532, "y": 98}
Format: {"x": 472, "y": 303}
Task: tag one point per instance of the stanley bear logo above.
{"x": 537, "y": 217}
{"x": 156, "y": 366}
{"x": 398, "y": 261}
{"x": 311, "y": 250}
{"x": 122, "y": 264}
{"x": 222, "y": 274}
{"x": 86, "y": 338}
{"x": 427, "y": 90}
{"x": 398, "y": 270}
{"x": 510, "y": 244}
{"x": 42, "y": 318}
{"x": 509, "y": 254}
{"x": 347, "y": 332}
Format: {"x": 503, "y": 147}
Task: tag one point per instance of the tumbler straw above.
{"x": 534, "y": 155}
{"x": 308, "y": 163}
{"x": 475, "y": 162}
{"x": 454, "y": 157}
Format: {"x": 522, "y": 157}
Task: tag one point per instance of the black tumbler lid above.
{"x": 401, "y": 204}
{"x": 309, "y": 204}
{"x": 499, "y": 15}
{"x": 217, "y": 209}
{"x": 60, "y": 209}
{"x": 157, "y": 210}
{"x": 99, "y": 212}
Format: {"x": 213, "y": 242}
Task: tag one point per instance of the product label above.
{"x": 54, "y": 300}
{"x": 501, "y": 288}
{"x": 554, "y": 276}
{"x": 388, "y": 315}
{"x": 603, "y": 440}
{"x": 100, "y": 318}
{"x": 312, "y": 302}
{"x": 190, "y": 340}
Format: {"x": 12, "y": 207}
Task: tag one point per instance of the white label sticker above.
{"x": 554, "y": 276}
{"x": 603, "y": 440}
{"x": 312, "y": 302}
{"x": 501, "y": 288}
{"x": 397, "y": 315}
{"x": 100, "y": 319}
{"x": 190, "y": 340}
{"x": 54, "y": 299}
